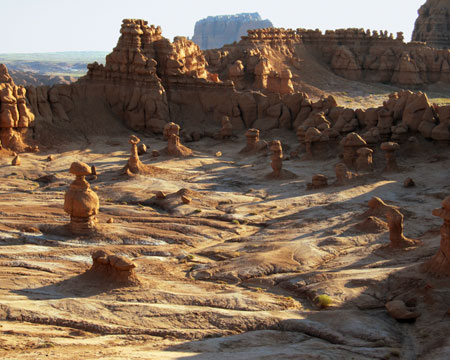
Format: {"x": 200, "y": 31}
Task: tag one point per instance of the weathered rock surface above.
{"x": 215, "y": 31}
{"x": 433, "y": 24}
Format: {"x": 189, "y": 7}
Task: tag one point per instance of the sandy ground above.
{"x": 232, "y": 275}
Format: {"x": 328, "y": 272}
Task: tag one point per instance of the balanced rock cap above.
{"x": 134, "y": 139}
{"x": 364, "y": 151}
{"x": 444, "y": 211}
{"x": 353, "y": 139}
{"x": 386, "y": 146}
{"x": 79, "y": 168}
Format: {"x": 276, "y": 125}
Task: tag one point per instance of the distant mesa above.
{"x": 433, "y": 24}
{"x": 215, "y": 31}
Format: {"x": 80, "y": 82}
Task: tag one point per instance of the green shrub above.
{"x": 323, "y": 301}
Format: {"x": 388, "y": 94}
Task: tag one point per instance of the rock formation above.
{"x": 16, "y": 116}
{"x": 216, "y": 31}
{"x": 433, "y": 24}
{"x": 342, "y": 174}
{"x": 351, "y": 144}
{"x": 113, "y": 269}
{"x": 253, "y": 142}
{"x": 174, "y": 146}
{"x": 364, "y": 161}
{"x": 227, "y": 129}
{"x": 80, "y": 202}
{"x": 440, "y": 263}
{"x": 389, "y": 149}
{"x": 395, "y": 223}
{"x": 378, "y": 208}
{"x": 16, "y": 161}
{"x": 318, "y": 181}
{"x": 276, "y": 157}
{"x": 399, "y": 311}
{"x": 134, "y": 164}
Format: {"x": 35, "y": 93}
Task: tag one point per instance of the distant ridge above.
{"x": 215, "y": 31}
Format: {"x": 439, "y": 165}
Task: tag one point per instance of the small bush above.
{"x": 323, "y": 301}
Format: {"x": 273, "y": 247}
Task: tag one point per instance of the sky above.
{"x": 93, "y": 25}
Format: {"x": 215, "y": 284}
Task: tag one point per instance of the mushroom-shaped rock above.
{"x": 169, "y": 129}
{"x": 316, "y": 142}
{"x": 342, "y": 174}
{"x": 364, "y": 161}
{"x": 253, "y": 142}
{"x": 175, "y": 148}
{"x": 318, "y": 181}
{"x": 389, "y": 149}
{"x": 114, "y": 269}
{"x": 439, "y": 264}
{"x": 276, "y": 157}
{"x": 80, "y": 202}
{"x": 227, "y": 129}
{"x": 351, "y": 143}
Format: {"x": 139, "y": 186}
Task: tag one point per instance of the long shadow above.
{"x": 80, "y": 286}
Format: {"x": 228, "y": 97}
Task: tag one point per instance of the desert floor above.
{"x": 233, "y": 274}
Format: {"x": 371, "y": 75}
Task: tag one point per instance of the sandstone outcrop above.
{"x": 395, "y": 223}
{"x": 433, "y": 24}
{"x": 342, "y": 174}
{"x": 113, "y": 269}
{"x": 350, "y": 145}
{"x": 364, "y": 161}
{"x": 440, "y": 263}
{"x": 80, "y": 202}
{"x": 254, "y": 144}
{"x": 318, "y": 181}
{"x": 174, "y": 146}
{"x": 276, "y": 157}
{"x": 134, "y": 164}
{"x": 16, "y": 116}
{"x": 399, "y": 311}
{"x": 216, "y": 31}
{"x": 389, "y": 149}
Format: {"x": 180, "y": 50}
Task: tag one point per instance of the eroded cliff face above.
{"x": 216, "y": 31}
{"x": 148, "y": 81}
{"x": 433, "y": 24}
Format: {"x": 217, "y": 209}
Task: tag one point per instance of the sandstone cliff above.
{"x": 216, "y": 31}
{"x": 433, "y": 24}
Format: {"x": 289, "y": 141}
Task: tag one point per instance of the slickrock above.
{"x": 80, "y": 202}
{"x": 439, "y": 264}
{"x": 113, "y": 269}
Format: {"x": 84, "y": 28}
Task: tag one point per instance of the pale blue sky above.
{"x": 88, "y": 25}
